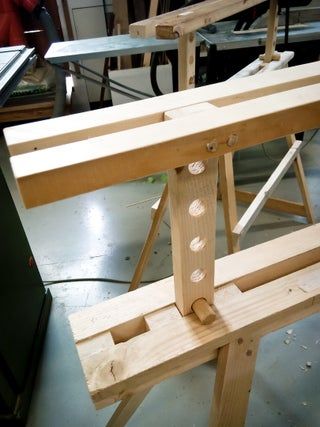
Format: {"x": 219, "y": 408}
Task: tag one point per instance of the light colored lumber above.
{"x": 188, "y": 19}
{"x": 302, "y": 182}
{"x": 226, "y": 186}
{"x": 247, "y": 268}
{"x": 259, "y": 66}
{"x": 193, "y": 197}
{"x": 158, "y": 354}
{"x": 186, "y": 61}
{"x": 148, "y": 244}
{"x": 235, "y": 371}
{"x": 62, "y": 130}
{"x": 271, "y": 40}
{"x": 63, "y": 171}
{"x": 152, "y": 12}
{"x": 257, "y": 204}
{"x": 272, "y": 203}
{"x": 126, "y": 409}
{"x": 120, "y": 10}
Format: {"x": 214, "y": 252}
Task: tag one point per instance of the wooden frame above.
{"x": 207, "y": 309}
{"x": 126, "y": 345}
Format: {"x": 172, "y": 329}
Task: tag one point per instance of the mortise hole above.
{"x": 197, "y": 275}
{"x": 197, "y": 244}
{"x": 196, "y": 168}
{"x": 197, "y": 208}
{"x": 128, "y": 330}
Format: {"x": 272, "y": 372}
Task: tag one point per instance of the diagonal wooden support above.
{"x": 126, "y": 409}
{"x": 255, "y": 208}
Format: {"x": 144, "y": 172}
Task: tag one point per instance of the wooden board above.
{"x": 185, "y": 20}
{"x": 248, "y": 268}
{"x": 149, "y": 356}
{"x": 63, "y": 130}
{"x": 48, "y": 175}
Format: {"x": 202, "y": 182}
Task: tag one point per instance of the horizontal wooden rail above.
{"x": 64, "y": 171}
{"x": 185, "y": 20}
{"x": 62, "y": 130}
{"x": 248, "y": 268}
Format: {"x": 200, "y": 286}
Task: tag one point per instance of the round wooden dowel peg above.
{"x": 203, "y": 311}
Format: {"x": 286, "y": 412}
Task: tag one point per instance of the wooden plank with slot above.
{"x": 62, "y": 130}
{"x": 248, "y": 268}
{"x": 63, "y": 171}
{"x": 163, "y": 352}
{"x": 188, "y": 19}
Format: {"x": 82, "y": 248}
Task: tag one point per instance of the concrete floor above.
{"x": 99, "y": 235}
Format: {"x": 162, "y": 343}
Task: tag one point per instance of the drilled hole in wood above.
{"x": 196, "y": 168}
{"x": 197, "y": 208}
{"x": 197, "y": 275}
{"x": 197, "y": 244}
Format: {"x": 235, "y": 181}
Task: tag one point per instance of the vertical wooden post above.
{"x": 272, "y": 33}
{"x": 186, "y": 61}
{"x": 193, "y": 199}
{"x": 301, "y": 178}
{"x": 235, "y": 371}
{"x": 228, "y": 197}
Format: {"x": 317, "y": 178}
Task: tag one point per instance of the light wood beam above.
{"x": 157, "y": 354}
{"x": 62, "y": 130}
{"x": 188, "y": 19}
{"x": 59, "y": 172}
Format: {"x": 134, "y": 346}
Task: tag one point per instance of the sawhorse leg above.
{"x": 226, "y": 185}
{"x": 235, "y": 371}
{"x": 126, "y": 409}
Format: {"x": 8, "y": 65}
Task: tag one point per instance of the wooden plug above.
{"x": 275, "y": 56}
{"x": 203, "y": 311}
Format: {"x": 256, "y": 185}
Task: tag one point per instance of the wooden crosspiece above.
{"x": 132, "y": 342}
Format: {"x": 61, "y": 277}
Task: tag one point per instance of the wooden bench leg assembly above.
{"x": 209, "y": 309}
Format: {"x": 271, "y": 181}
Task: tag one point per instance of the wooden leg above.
{"x": 148, "y": 244}
{"x": 126, "y": 409}
{"x": 235, "y": 370}
{"x": 299, "y": 172}
{"x": 226, "y": 185}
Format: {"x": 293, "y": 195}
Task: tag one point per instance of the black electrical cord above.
{"x": 139, "y": 92}
{"x": 277, "y": 160}
{"x": 97, "y": 279}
